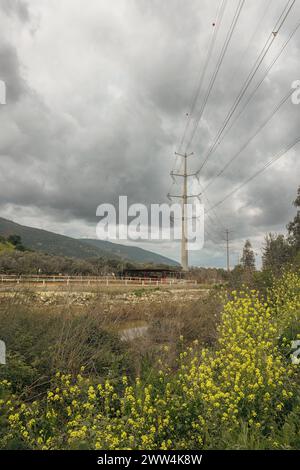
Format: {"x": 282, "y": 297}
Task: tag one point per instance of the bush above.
{"x": 242, "y": 394}
{"x": 39, "y": 341}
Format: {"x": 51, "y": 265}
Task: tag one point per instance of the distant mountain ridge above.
{"x": 132, "y": 253}
{"x": 61, "y": 245}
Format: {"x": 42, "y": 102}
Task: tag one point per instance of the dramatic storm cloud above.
{"x": 97, "y": 99}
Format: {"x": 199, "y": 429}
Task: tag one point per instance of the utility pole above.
{"x": 184, "y": 250}
{"x": 184, "y": 197}
{"x": 227, "y": 249}
{"x": 227, "y": 232}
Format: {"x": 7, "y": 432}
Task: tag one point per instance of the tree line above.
{"x": 278, "y": 252}
{"x": 278, "y": 249}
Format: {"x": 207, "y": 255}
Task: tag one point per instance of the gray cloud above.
{"x": 97, "y": 101}
{"x": 16, "y": 8}
{"x": 10, "y": 72}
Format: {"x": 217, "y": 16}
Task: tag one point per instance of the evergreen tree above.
{"x": 16, "y": 241}
{"x": 277, "y": 252}
{"x": 248, "y": 258}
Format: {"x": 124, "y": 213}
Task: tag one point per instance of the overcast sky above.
{"x": 97, "y": 97}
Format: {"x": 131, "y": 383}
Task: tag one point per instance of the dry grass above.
{"x": 41, "y": 339}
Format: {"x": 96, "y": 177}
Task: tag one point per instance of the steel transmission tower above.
{"x": 227, "y": 232}
{"x": 184, "y": 197}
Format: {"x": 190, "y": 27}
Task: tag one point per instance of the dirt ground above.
{"x": 81, "y": 295}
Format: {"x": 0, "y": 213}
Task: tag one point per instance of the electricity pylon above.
{"x": 227, "y": 232}
{"x": 184, "y": 197}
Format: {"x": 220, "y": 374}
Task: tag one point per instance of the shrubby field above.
{"x": 237, "y": 389}
{"x": 214, "y": 371}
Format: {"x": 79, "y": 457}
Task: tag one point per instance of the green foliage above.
{"x": 18, "y": 262}
{"x": 243, "y": 393}
{"x": 143, "y": 291}
{"x": 40, "y": 342}
{"x": 16, "y": 241}
{"x": 263, "y": 280}
{"x": 277, "y": 253}
{"x": 11, "y": 243}
{"x": 294, "y": 226}
{"x": 248, "y": 258}
{"x": 280, "y": 252}
{"x": 208, "y": 275}
{"x": 14, "y": 261}
{"x": 5, "y": 247}
{"x": 63, "y": 246}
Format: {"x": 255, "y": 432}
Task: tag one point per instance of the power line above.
{"x": 219, "y": 17}
{"x": 273, "y": 160}
{"x": 210, "y": 237}
{"x": 264, "y": 123}
{"x": 225, "y": 128}
{"x": 218, "y": 66}
{"x": 216, "y": 28}
{"x": 256, "y": 87}
{"x": 218, "y": 221}
{"x": 213, "y": 221}
{"x": 245, "y": 52}
{"x": 250, "y": 77}
{"x": 257, "y": 28}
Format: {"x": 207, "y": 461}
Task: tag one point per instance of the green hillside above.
{"x": 5, "y": 246}
{"x": 61, "y": 245}
{"x": 132, "y": 253}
